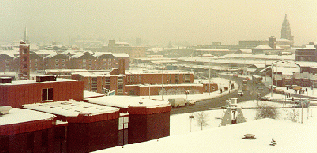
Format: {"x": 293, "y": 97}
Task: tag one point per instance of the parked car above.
{"x": 190, "y": 102}
{"x": 240, "y": 92}
{"x": 264, "y": 99}
{"x": 177, "y": 102}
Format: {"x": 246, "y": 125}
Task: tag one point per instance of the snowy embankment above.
{"x": 290, "y": 136}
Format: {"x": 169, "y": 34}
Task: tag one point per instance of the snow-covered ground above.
{"x": 290, "y": 136}
{"x": 186, "y": 135}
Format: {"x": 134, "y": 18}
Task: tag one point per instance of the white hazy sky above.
{"x": 158, "y": 21}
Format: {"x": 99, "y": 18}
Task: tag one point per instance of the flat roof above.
{"x": 17, "y": 82}
{"x": 126, "y": 101}
{"x": 71, "y": 108}
{"x": 17, "y": 115}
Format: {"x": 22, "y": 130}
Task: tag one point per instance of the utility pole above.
{"x": 209, "y": 80}
{"x": 162, "y": 84}
{"x": 149, "y": 91}
{"x": 272, "y": 80}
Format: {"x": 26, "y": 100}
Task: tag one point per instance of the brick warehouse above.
{"x": 24, "y": 130}
{"x": 148, "y": 119}
{"x": 89, "y": 127}
{"x": 17, "y": 93}
{"x": 75, "y": 126}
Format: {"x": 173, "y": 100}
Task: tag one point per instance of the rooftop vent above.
{"x": 43, "y": 78}
{"x": 5, "y": 79}
{"x": 5, "y": 109}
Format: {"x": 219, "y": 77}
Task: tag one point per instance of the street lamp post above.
{"x": 162, "y": 84}
{"x": 190, "y": 124}
{"x": 209, "y": 80}
{"x": 149, "y": 91}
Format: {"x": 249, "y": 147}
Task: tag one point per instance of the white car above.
{"x": 240, "y": 92}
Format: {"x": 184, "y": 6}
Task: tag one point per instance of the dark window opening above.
{"x": 47, "y": 94}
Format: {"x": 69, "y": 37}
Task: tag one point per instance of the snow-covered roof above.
{"x": 16, "y": 82}
{"x": 286, "y": 67}
{"x": 121, "y": 55}
{"x": 97, "y": 54}
{"x": 263, "y": 47}
{"x": 213, "y": 50}
{"x": 93, "y": 74}
{"x": 246, "y": 51}
{"x": 282, "y": 40}
{"x": 17, "y": 115}
{"x": 126, "y": 101}
{"x": 71, "y": 108}
{"x": 88, "y": 94}
{"x": 10, "y": 53}
{"x": 133, "y": 71}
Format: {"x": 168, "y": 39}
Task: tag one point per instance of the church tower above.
{"x": 24, "y": 61}
{"x": 286, "y": 31}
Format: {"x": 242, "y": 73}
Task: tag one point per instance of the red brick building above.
{"x": 23, "y": 130}
{"x": 147, "y": 119}
{"x": 7, "y": 63}
{"x": 45, "y": 88}
{"x": 89, "y": 127}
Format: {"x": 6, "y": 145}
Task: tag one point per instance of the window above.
{"x": 25, "y": 59}
{"x": 47, "y": 94}
{"x": 63, "y": 60}
{"x": 25, "y": 51}
{"x": 25, "y": 66}
{"x": 56, "y": 60}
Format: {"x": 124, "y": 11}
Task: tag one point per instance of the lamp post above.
{"x": 149, "y": 91}
{"x": 190, "y": 124}
{"x": 272, "y": 79}
{"x": 209, "y": 80}
{"x": 162, "y": 84}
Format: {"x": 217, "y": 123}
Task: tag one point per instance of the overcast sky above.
{"x": 158, "y": 21}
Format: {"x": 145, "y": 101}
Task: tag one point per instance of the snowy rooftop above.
{"x": 17, "y": 82}
{"x": 17, "y": 115}
{"x": 126, "y": 101}
{"x": 213, "y": 50}
{"x": 142, "y": 71}
{"x": 71, "y": 108}
{"x": 121, "y": 55}
{"x": 88, "y": 94}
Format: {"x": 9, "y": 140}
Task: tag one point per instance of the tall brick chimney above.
{"x": 24, "y": 73}
{"x": 121, "y": 66}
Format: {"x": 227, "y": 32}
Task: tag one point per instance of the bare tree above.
{"x": 292, "y": 115}
{"x": 266, "y": 111}
{"x": 201, "y": 118}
